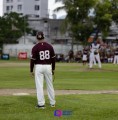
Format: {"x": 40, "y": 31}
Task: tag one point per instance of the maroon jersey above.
{"x": 85, "y": 52}
{"x": 42, "y": 53}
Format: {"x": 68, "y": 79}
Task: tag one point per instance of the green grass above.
{"x": 15, "y": 74}
{"x": 15, "y": 59}
{"x": 83, "y": 107}
{"x": 67, "y": 76}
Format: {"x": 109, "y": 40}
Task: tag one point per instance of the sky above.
{"x": 51, "y": 6}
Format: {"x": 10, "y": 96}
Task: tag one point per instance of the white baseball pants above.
{"x": 92, "y": 60}
{"x": 115, "y": 59}
{"x": 44, "y": 72}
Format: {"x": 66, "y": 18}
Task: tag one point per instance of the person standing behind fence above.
{"x": 43, "y": 57}
{"x": 71, "y": 56}
{"x": 115, "y": 57}
{"x": 84, "y": 57}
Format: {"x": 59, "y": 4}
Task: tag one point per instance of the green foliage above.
{"x": 114, "y": 10}
{"x": 103, "y": 16}
{"x": 12, "y": 27}
{"x": 78, "y": 18}
{"x": 78, "y": 13}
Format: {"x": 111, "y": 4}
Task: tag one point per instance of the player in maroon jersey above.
{"x": 43, "y": 58}
{"x": 84, "y": 57}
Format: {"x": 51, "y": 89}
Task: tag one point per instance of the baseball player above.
{"x": 94, "y": 54}
{"x": 115, "y": 57}
{"x": 43, "y": 57}
{"x": 84, "y": 57}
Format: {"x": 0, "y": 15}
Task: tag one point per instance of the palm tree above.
{"x": 77, "y": 20}
{"x": 80, "y": 22}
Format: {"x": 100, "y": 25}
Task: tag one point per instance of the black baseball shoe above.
{"x": 40, "y": 107}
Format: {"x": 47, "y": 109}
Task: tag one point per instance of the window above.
{"x": 37, "y": 7}
{"x": 7, "y": 8}
{"x": 37, "y": 16}
{"x": 8, "y": 1}
{"x": 19, "y": 7}
{"x": 11, "y": 7}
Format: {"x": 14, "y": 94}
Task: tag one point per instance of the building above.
{"x": 51, "y": 28}
{"x": 62, "y": 42}
{"x": 31, "y": 8}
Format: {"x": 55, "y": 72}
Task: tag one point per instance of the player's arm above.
{"x": 32, "y": 67}
{"x": 53, "y": 64}
{"x": 32, "y": 62}
{"x": 53, "y": 56}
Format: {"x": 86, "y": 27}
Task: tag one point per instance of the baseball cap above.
{"x": 40, "y": 35}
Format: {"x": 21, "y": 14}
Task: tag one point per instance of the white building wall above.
{"x": 27, "y": 7}
{"x": 14, "y": 49}
{"x": 44, "y": 9}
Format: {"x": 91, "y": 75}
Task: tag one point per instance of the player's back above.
{"x": 43, "y": 52}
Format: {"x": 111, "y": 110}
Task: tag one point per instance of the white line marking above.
{"x": 20, "y": 94}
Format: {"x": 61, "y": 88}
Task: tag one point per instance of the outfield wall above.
{"x": 14, "y": 49}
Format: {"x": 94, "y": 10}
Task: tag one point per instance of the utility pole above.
{"x": 24, "y": 29}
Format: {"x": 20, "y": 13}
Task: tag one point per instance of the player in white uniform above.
{"x": 116, "y": 57}
{"x": 94, "y": 54}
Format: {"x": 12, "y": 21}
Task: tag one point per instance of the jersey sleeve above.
{"x": 32, "y": 60}
{"x": 33, "y": 54}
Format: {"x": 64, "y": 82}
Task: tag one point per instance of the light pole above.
{"x": 24, "y": 28}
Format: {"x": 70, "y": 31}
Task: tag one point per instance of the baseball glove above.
{"x": 95, "y": 52}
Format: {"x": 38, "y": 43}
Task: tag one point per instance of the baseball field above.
{"x": 81, "y": 93}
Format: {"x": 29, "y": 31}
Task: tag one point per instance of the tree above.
{"x": 12, "y": 27}
{"x": 81, "y": 23}
{"x": 114, "y": 10}
{"x": 78, "y": 18}
{"x": 103, "y": 16}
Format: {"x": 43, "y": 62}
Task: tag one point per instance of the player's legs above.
{"x": 94, "y": 61}
{"x": 91, "y": 60}
{"x": 98, "y": 59}
{"x": 115, "y": 58}
{"x": 49, "y": 83}
{"x": 84, "y": 59}
{"x": 39, "y": 78}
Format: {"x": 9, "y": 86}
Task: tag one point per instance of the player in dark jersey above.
{"x": 84, "y": 57}
{"x": 43, "y": 58}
